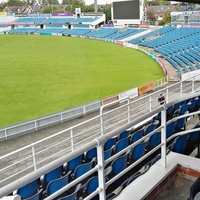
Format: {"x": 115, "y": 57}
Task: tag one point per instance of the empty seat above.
{"x": 29, "y": 189}
{"x": 56, "y": 185}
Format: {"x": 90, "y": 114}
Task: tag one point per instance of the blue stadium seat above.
{"x": 121, "y": 144}
{"x": 137, "y": 152}
{"x": 73, "y": 195}
{"x": 170, "y": 128}
{"x": 29, "y": 189}
{"x": 91, "y": 185}
{"x": 72, "y": 164}
{"x": 89, "y": 155}
{"x": 179, "y": 144}
{"x": 37, "y": 196}
{"x": 136, "y": 135}
{"x": 82, "y": 169}
{"x": 119, "y": 164}
{"x": 56, "y": 185}
{"x": 109, "y": 143}
{"x": 123, "y": 135}
{"x": 154, "y": 141}
{"x": 52, "y": 175}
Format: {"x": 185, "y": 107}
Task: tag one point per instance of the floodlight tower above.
{"x": 95, "y": 6}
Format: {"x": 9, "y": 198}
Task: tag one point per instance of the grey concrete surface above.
{"x": 179, "y": 189}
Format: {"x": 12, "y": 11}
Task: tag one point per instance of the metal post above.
{"x": 72, "y": 139}
{"x": 193, "y": 84}
{"x": 35, "y": 125}
{"x": 61, "y": 115}
{"x": 34, "y": 158}
{"x": 163, "y": 138}
{"x": 101, "y": 173}
{"x": 129, "y": 111}
{"x": 167, "y": 97}
{"x": 84, "y": 113}
{"x": 101, "y": 121}
{"x": 6, "y": 136}
{"x": 181, "y": 89}
{"x": 150, "y": 104}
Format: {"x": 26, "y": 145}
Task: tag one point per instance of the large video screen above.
{"x": 126, "y": 9}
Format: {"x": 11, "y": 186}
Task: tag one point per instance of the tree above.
{"x": 14, "y": 3}
{"x": 106, "y": 9}
{"x": 166, "y": 20}
{"x": 72, "y": 4}
{"x": 2, "y": 6}
{"x": 150, "y": 16}
{"x": 49, "y": 9}
{"x": 88, "y": 8}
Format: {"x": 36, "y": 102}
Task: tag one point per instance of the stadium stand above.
{"x": 58, "y": 20}
{"x": 147, "y": 141}
{"x": 174, "y": 44}
{"x": 132, "y": 149}
{"x": 35, "y": 20}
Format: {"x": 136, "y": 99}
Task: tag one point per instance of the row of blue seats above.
{"x": 151, "y": 34}
{"x": 176, "y": 49}
{"x": 119, "y": 35}
{"x": 101, "y": 33}
{"x": 61, "y": 176}
{"x": 52, "y": 20}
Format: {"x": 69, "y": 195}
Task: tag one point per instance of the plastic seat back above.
{"x": 91, "y": 185}
{"x": 138, "y": 151}
{"x": 92, "y": 153}
{"x": 52, "y": 175}
{"x": 119, "y": 164}
{"x": 150, "y": 128}
{"x": 109, "y": 143}
{"x": 170, "y": 129}
{"x": 108, "y": 153}
{"x": 193, "y": 104}
{"x": 82, "y": 169}
{"x": 57, "y": 184}
{"x": 137, "y": 135}
{"x": 123, "y": 135}
{"x": 154, "y": 140}
{"x": 184, "y": 108}
{"x": 29, "y": 189}
{"x": 180, "y": 124}
{"x": 121, "y": 144}
{"x": 179, "y": 144}
{"x": 72, "y": 164}
{"x": 37, "y": 196}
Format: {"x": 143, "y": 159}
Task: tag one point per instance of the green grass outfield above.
{"x": 40, "y": 75}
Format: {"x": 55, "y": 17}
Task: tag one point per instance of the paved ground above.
{"x": 179, "y": 189}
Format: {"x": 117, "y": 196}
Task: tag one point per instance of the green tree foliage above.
{"x": 14, "y": 3}
{"x": 72, "y": 4}
{"x": 49, "y": 9}
{"x": 150, "y": 16}
{"x": 166, "y": 20}
{"x": 2, "y": 6}
{"x": 106, "y": 10}
{"x": 88, "y": 8}
{"x": 59, "y": 11}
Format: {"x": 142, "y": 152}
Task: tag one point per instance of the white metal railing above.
{"x": 43, "y": 122}
{"x": 100, "y": 142}
{"x": 35, "y": 157}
